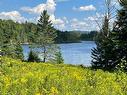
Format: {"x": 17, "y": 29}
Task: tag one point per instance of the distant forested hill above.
{"x": 75, "y": 36}
{"x": 25, "y": 32}
{"x": 88, "y": 36}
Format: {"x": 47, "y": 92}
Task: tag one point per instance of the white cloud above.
{"x": 61, "y": 23}
{"x": 13, "y": 15}
{"x": 58, "y": 23}
{"x": 78, "y": 25}
{"x": 85, "y": 8}
{"x": 95, "y": 22}
{"x": 50, "y": 6}
{"x": 65, "y": 20}
{"x": 97, "y": 17}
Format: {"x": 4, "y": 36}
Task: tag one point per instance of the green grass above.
{"x": 22, "y": 78}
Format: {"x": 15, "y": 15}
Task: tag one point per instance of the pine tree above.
{"x": 45, "y": 36}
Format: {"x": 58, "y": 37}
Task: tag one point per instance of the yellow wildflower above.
{"x": 37, "y": 94}
{"x": 23, "y": 80}
{"x": 77, "y": 76}
{"x": 7, "y": 81}
{"x": 54, "y": 90}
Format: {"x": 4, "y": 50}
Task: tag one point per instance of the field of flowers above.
{"x": 22, "y": 78}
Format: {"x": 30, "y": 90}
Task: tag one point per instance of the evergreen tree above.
{"x": 45, "y": 36}
{"x": 104, "y": 55}
{"x": 58, "y": 57}
{"x": 120, "y": 34}
{"x": 101, "y": 54}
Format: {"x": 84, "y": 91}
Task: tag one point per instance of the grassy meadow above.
{"x": 22, "y": 78}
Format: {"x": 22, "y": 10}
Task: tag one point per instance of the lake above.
{"x": 73, "y": 53}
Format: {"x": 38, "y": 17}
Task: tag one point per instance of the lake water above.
{"x": 73, "y": 53}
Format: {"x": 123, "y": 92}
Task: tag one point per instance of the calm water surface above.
{"x": 73, "y": 53}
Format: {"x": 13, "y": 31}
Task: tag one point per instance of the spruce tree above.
{"x": 58, "y": 57}
{"x": 120, "y": 34}
{"x": 45, "y": 36}
{"x": 104, "y": 55}
{"x": 101, "y": 54}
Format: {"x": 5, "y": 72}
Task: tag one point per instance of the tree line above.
{"x": 75, "y": 36}
{"x": 27, "y": 30}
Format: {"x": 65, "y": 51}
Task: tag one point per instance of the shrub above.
{"x": 33, "y": 57}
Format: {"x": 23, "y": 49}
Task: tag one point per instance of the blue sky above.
{"x": 65, "y": 14}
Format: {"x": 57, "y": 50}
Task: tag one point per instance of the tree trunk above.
{"x": 44, "y": 59}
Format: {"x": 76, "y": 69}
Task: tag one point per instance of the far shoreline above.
{"x": 64, "y": 42}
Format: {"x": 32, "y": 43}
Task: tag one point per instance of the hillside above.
{"x": 21, "y": 78}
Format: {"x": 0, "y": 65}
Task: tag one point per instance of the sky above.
{"x": 64, "y": 14}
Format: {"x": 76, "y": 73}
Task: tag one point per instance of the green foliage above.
{"x": 122, "y": 66}
{"x": 22, "y": 78}
{"x": 24, "y": 31}
{"x": 19, "y": 51}
{"x": 33, "y": 57}
{"x": 123, "y": 3}
{"x": 28, "y": 34}
{"x": 73, "y": 36}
